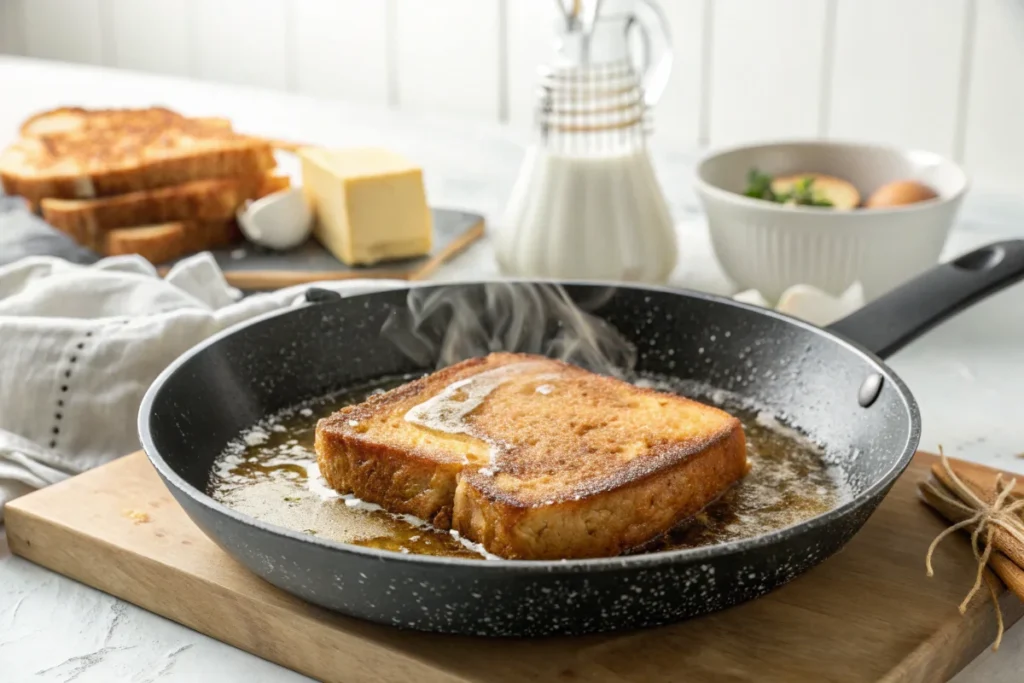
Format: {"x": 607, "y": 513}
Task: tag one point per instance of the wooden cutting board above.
{"x": 245, "y": 265}
{"x": 867, "y": 614}
{"x": 253, "y": 268}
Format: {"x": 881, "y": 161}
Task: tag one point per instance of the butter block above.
{"x": 370, "y": 204}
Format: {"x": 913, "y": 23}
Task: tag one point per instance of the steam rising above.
{"x": 445, "y": 325}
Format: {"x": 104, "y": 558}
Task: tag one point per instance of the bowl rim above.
{"x": 707, "y": 188}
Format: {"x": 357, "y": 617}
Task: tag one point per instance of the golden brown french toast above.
{"x": 79, "y": 154}
{"x": 201, "y": 200}
{"x": 166, "y": 242}
{"x": 534, "y": 458}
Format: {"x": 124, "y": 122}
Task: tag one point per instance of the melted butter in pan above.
{"x": 270, "y": 473}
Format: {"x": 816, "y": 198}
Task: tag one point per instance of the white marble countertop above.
{"x": 967, "y": 374}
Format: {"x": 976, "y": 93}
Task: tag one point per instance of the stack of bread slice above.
{"x": 143, "y": 181}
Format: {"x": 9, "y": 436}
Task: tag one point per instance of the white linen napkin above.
{"x": 79, "y": 346}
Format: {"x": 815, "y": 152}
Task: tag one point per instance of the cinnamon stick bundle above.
{"x": 991, "y": 514}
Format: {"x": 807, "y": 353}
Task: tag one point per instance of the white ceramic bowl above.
{"x": 770, "y": 247}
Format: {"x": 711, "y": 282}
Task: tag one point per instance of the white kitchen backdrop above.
{"x": 946, "y": 75}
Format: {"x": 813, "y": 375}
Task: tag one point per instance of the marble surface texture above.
{"x": 968, "y": 374}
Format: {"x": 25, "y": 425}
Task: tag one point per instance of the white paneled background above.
{"x": 946, "y": 75}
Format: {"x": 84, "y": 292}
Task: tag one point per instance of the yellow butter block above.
{"x": 370, "y": 204}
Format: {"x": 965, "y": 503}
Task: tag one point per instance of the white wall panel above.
{"x": 243, "y": 41}
{"x": 150, "y": 35}
{"x": 944, "y": 75}
{"x": 766, "y": 69}
{"x": 11, "y": 33}
{"x": 994, "y": 137}
{"x": 68, "y": 31}
{"x": 448, "y": 56}
{"x": 896, "y": 76}
{"x": 341, "y": 48}
{"x": 530, "y": 28}
{"x": 677, "y": 117}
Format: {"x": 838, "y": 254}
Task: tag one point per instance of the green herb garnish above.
{"x": 759, "y": 186}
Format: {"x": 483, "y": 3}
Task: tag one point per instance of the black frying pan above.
{"x": 829, "y": 383}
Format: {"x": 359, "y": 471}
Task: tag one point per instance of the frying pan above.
{"x": 830, "y": 383}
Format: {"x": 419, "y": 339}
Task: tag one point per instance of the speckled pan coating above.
{"x": 803, "y": 375}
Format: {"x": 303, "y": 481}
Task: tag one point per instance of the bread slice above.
{"x": 167, "y": 242}
{"x": 76, "y": 153}
{"x": 80, "y": 120}
{"x": 534, "y": 458}
{"x": 203, "y": 200}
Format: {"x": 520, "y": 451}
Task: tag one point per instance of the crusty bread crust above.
{"x": 79, "y": 154}
{"x": 608, "y": 523}
{"x": 413, "y": 479}
{"x": 552, "y": 462}
{"x": 204, "y": 201}
{"x": 167, "y": 242}
{"x": 399, "y": 481}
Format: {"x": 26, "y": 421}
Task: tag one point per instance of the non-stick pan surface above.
{"x": 821, "y": 381}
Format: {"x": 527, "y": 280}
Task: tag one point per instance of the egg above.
{"x": 282, "y": 220}
{"x": 840, "y": 193}
{"x": 900, "y": 193}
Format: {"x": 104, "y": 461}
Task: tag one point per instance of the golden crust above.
{"x": 211, "y": 202}
{"x": 607, "y": 523}
{"x": 550, "y": 461}
{"x": 166, "y": 242}
{"x": 75, "y": 153}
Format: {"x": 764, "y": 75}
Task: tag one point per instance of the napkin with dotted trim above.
{"x": 79, "y": 346}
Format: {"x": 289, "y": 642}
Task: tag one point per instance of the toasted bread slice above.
{"x": 534, "y": 458}
{"x": 169, "y": 241}
{"x": 201, "y": 200}
{"x": 77, "y": 119}
{"x": 81, "y": 154}
{"x": 155, "y": 243}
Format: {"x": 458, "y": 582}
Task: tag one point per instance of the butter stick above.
{"x": 370, "y": 204}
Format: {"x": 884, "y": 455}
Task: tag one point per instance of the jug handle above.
{"x": 652, "y": 23}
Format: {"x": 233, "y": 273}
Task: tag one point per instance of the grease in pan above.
{"x": 271, "y": 473}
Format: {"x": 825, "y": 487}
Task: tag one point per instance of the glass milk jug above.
{"x": 587, "y": 204}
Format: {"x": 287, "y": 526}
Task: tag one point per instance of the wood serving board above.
{"x": 867, "y": 614}
{"x": 252, "y": 268}
{"x": 245, "y": 265}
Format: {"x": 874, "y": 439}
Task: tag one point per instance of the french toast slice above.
{"x": 166, "y": 242}
{"x": 534, "y": 458}
{"x": 80, "y": 120}
{"x": 204, "y": 201}
{"x": 80, "y": 154}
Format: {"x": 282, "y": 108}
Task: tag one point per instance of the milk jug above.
{"x": 587, "y": 203}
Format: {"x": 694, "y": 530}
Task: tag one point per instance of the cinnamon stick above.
{"x": 1011, "y": 546}
{"x": 1008, "y": 569}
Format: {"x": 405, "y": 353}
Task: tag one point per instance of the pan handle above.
{"x": 887, "y": 324}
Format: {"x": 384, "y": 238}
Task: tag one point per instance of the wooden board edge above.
{"x": 958, "y": 642}
{"x": 945, "y": 653}
{"x": 955, "y": 643}
{"x": 229, "y": 621}
{"x": 454, "y": 248}
{"x": 258, "y": 280}
{"x": 276, "y": 279}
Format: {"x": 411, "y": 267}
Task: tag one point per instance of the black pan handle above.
{"x": 894, "y": 320}
{"x": 319, "y": 295}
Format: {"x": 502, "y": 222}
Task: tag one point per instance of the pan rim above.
{"x": 641, "y": 561}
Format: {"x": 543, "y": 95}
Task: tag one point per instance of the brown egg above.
{"x": 900, "y": 193}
